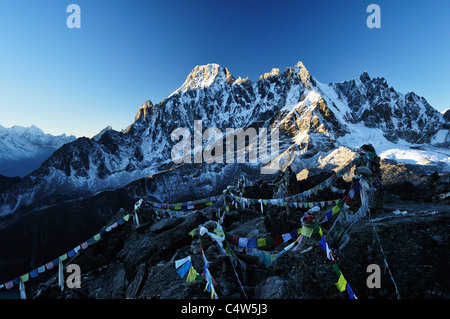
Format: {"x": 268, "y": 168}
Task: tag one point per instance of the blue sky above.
{"x": 78, "y": 81}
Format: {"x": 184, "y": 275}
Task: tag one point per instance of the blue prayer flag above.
{"x": 351, "y": 295}
{"x": 184, "y": 269}
{"x": 323, "y": 244}
{"x": 252, "y": 242}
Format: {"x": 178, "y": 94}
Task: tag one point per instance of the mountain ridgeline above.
{"x": 313, "y": 119}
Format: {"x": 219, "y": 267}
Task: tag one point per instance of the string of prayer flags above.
{"x": 282, "y": 202}
{"x": 190, "y": 205}
{"x": 58, "y": 261}
{"x": 342, "y": 284}
{"x": 263, "y": 242}
{"x": 267, "y": 258}
{"x": 208, "y": 277}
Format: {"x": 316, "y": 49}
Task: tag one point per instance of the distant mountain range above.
{"x": 24, "y": 149}
{"x": 315, "y": 121}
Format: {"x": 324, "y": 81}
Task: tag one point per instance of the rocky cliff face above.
{"x": 407, "y": 117}
{"x": 139, "y": 261}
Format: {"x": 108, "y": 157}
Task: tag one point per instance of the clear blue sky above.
{"x": 78, "y": 81}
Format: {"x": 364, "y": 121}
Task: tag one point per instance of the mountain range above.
{"x": 317, "y": 122}
{"x": 24, "y": 149}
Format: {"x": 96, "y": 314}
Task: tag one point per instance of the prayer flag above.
{"x": 184, "y": 269}
{"x": 261, "y": 242}
{"x": 342, "y": 283}
{"x": 180, "y": 262}
{"x": 323, "y": 244}
{"x": 234, "y": 240}
{"x": 252, "y": 243}
{"x": 25, "y": 277}
{"x": 350, "y": 292}
{"x": 278, "y": 240}
{"x": 329, "y": 253}
{"x": 22, "y": 290}
{"x": 242, "y": 242}
{"x": 336, "y": 209}
{"x": 294, "y": 234}
{"x": 307, "y": 231}
{"x": 191, "y": 275}
{"x": 9, "y": 284}
{"x": 336, "y": 269}
{"x": 286, "y": 237}
{"x": 34, "y": 273}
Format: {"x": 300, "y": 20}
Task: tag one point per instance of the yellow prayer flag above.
{"x": 341, "y": 284}
{"x": 261, "y": 242}
{"x": 191, "y": 275}
{"x": 336, "y": 209}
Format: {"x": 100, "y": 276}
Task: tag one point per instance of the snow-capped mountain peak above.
{"x": 23, "y": 149}
{"x": 203, "y": 76}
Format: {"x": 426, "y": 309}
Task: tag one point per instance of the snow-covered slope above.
{"x": 313, "y": 120}
{"x": 24, "y": 149}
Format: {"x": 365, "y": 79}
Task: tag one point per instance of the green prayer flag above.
{"x": 316, "y": 227}
{"x": 336, "y": 269}
{"x": 307, "y": 231}
{"x": 25, "y": 277}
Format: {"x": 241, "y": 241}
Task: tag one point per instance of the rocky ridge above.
{"x": 139, "y": 261}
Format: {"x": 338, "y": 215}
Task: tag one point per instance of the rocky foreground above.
{"x": 407, "y": 236}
